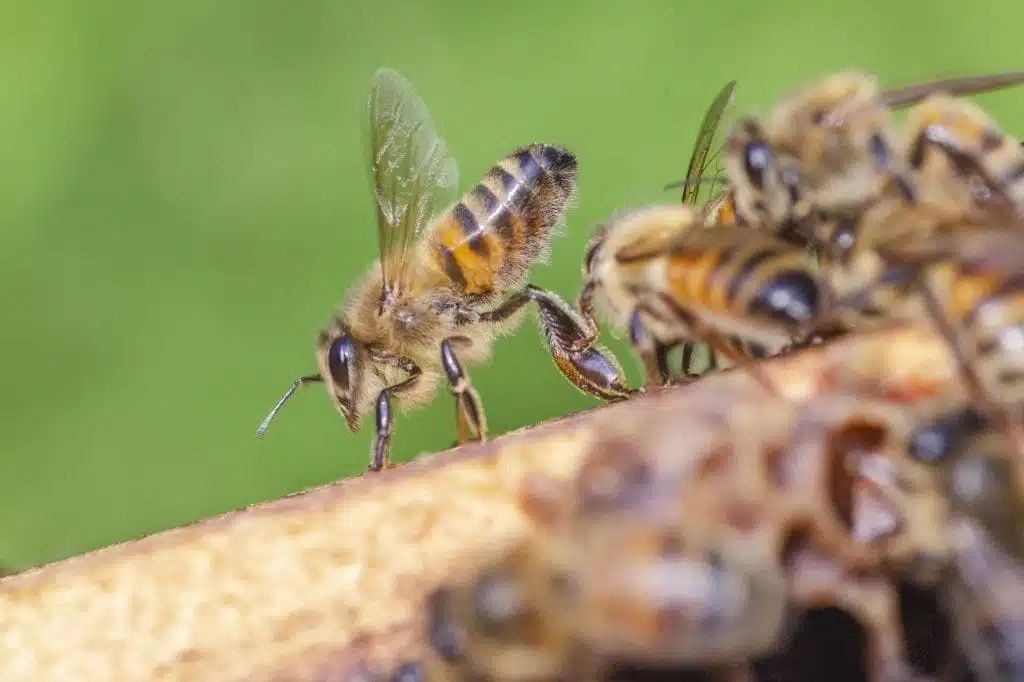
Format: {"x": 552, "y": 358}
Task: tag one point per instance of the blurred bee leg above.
{"x": 589, "y": 367}
{"x": 740, "y": 363}
{"x": 471, "y": 422}
{"x": 381, "y": 457}
{"x": 652, "y": 353}
{"x": 962, "y": 358}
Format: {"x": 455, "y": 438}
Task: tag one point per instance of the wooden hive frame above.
{"x": 302, "y": 587}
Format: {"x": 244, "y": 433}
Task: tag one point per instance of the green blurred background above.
{"x": 183, "y": 202}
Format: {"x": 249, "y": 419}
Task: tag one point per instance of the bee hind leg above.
{"x": 469, "y": 412}
{"x": 589, "y": 367}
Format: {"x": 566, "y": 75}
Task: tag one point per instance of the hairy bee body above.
{"x": 969, "y": 281}
{"x": 472, "y": 254}
{"x": 446, "y": 282}
{"x": 485, "y": 244}
{"x": 668, "y": 279}
{"x": 979, "y": 479}
{"x": 964, "y": 165}
{"x": 833, "y": 148}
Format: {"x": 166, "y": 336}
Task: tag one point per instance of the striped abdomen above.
{"x": 971, "y": 142}
{"x": 746, "y": 276}
{"x": 990, "y": 310}
{"x": 486, "y": 242}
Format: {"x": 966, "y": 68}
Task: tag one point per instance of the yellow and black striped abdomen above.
{"x": 754, "y": 278}
{"x": 489, "y": 238}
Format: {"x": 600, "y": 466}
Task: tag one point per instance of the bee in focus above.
{"x": 446, "y": 282}
{"x": 832, "y": 147}
{"x": 658, "y": 272}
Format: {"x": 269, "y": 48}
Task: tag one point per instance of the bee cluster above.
{"x": 696, "y": 539}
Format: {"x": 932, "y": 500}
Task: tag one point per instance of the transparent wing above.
{"x": 411, "y": 171}
{"x": 701, "y": 157}
{"x": 897, "y": 98}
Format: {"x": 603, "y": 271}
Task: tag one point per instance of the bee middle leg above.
{"x": 653, "y": 354}
{"x": 471, "y": 423}
{"x": 588, "y": 366}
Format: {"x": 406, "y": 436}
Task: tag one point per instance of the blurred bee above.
{"x": 496, "y": 624}
{"x": 978, "y": 476}
{"x": 832, "y": 147}
{"x": 716, "y": 209}
{"x": 635, "y": 245}
{"x": 654, "y": 271}
{"x": 654, "y": 231}
{"x": 693, "y": 531}
{"x": 969, "y": 284}
{"x": 976, "y": 185}
{"x": 438, "y": 295}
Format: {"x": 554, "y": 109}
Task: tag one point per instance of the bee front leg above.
{"x": 381, "y": 456}
{"x": 589, "y": 367}
{"x": 469, "y": 413}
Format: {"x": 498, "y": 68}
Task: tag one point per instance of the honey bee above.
{"x": 691, "y": 534}
{"x": 446, "y": 283}
{"x": 495, "y": 625}
{"x": 832, "y": 147}
{"x": 978, "y": 474}
{"x": 653, "y": 271}
{"x": 969, "y": 285}
{"x": 700, "y": 159}
{"x": 956, "y": 191}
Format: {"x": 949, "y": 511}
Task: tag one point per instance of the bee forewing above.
{"x": 897, "y": 98}
{"x": 411, "y": 170}
{"x": 701, "y": 157}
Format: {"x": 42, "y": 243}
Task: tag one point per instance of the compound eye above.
{"x": 756, "y": 158}
{"x": 937, "y": 441}
{"x": 340, "y": 357}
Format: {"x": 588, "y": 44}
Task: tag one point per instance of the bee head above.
{"x": 338, "y": 355}
{"x": 978, "y": 471}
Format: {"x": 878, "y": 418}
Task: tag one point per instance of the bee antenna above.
{"x": 312, "y": 378}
